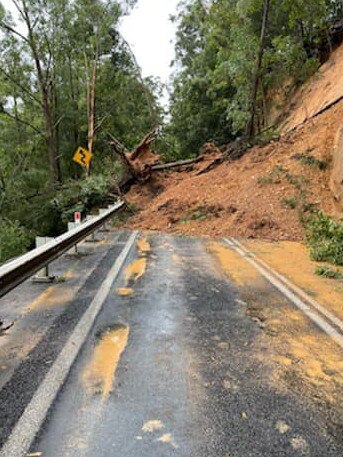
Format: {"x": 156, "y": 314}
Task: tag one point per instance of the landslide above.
{"x": 269, "y": 192}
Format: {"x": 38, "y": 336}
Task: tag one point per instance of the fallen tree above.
{"x": 141, "y": 163}
{"x": 137, "y": 163}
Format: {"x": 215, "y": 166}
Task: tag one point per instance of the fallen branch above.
{"x": 217, "y": 161}
{"x": 181, "y": 163}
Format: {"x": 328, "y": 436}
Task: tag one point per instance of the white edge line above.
{"x": 319, "y": 321}
{"x": 330, "y": 316}
{"x": 29, "y": 424}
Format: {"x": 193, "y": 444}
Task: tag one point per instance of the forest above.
{"x": 68, "y": 78}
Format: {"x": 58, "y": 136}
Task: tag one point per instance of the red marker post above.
{"x": 77, "y": 217}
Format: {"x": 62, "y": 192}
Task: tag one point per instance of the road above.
{"x": 162, "y": 346}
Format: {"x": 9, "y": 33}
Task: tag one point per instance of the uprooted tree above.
{"x": 137, "y": 163}
{"x": 140, "y": 163}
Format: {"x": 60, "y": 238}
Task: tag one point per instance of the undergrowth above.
{"x": 328, "y": 272}
{"x": 82, "y": 195}
{"x": 14, "y": 239}
{"x": 325, "y": 237}
{"x": 307, "y": 159}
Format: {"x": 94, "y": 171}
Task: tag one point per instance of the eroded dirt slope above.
{"x": 263, "y": 195}
{"x": 320, "y": 92}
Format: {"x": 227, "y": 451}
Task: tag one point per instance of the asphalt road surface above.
{"x": 168, "y": 347}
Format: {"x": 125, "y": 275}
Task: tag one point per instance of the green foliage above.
{"x": 325, "y": 237}
{"x": 14, "y": 239}
{"x": 328, "y": 272}
{"x": 291, "y": 202}
{"x": 69, "y": 39}
{"x": 198, "y": 215}
{"x": 217, "y": 47}
{"x": 307, "y": 159}
{"x": 82, "y": 195}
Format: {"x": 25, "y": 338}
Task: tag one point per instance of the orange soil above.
{"x": 324, "y": 88}
{"x": 246, "y": 197}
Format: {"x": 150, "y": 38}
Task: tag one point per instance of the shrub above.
{"x": 82, "y": 196}
{"x": 325, "y": 237}
{"x": 328, "y": 272}
{"x": 14, "y": 239}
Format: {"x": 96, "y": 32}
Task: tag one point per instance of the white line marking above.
{"x": 29, "y": 424}
{"x": 330, "y": 316}
{"x": 316, "y": 318}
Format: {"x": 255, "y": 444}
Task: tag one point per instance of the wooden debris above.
{"x": 181, "y": 163}
{"x": 217, "y": 161}
{"x": 136, "y": 164}
{"x": 145, "y": 144}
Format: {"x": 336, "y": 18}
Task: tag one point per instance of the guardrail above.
{"x": 18, "y": 270}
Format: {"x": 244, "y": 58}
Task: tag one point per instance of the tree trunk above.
{"x": 92, "y": 102}
{"x": 251, "y": 125}
{"x": 92, "y": 107}
{"x": 46, "y": 106}
{"x": 50, "y": 136}
{"x": 2, "y": 181}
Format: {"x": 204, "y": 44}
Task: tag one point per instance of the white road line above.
{"x": 29, "y": 424}
{"x": 330, "y": 316}
{"x": 271, "y": 276}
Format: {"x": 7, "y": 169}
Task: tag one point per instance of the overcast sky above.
{"x": 150, "y": 34}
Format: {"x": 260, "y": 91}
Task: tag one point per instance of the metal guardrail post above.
{"x": 43, "y": 276}
{"x": 73, "y": 250}
{"x": 92, "y": 238}
{"x": 104, "y": 228}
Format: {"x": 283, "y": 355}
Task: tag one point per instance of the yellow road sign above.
{"x": 83, "y": 157}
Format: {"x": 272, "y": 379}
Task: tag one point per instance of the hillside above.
{"x": 265, "y": 194}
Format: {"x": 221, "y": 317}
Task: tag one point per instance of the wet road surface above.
{"x": 193, "y": 353}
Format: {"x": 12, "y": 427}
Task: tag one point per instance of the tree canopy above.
{"x": 217, "y": 49}
{"x": 67, "y": 79}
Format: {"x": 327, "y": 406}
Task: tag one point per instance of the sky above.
{"x": 150, "y": 34}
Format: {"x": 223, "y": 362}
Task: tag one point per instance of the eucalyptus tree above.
{"x": 233, "y": 55}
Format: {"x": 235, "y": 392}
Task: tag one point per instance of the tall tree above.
{"x": 37, "y": 43}
{"x": 264, "y": 29}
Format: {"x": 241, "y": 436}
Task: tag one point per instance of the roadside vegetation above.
{"x": 330, "y": 273}
{"x": 325, "y": 237}
{"x": 67, "y": 79}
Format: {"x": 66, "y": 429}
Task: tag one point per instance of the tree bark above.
{"x": 264, "y": 29}
{"x": 75, "y": 131}
{"x": 92, "y": 101}
{"x": 2, "y": 181}
{"x": 92, "y": 106}
{"x": 46, "y": 105}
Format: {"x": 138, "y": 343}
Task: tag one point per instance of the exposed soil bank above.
{"x": 263, "y": 195}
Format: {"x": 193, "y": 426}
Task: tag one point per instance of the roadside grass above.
{"x": 328, "y": 272}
